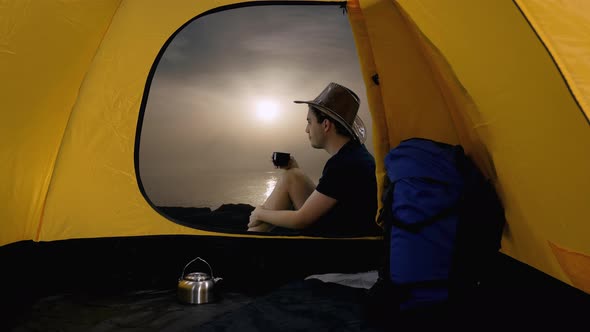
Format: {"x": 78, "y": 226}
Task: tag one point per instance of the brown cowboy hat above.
{"x": 341, "y": 105}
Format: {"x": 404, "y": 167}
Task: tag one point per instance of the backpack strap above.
{"x": 417, "y": 227}
{"x": 384, "y": 220}
{"x": 385, "y": 213}
{"x": 386, "y": 216}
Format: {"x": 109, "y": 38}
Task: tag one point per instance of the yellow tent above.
{"x": 509, "y": 80}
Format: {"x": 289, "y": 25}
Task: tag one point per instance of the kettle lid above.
{"x": 197, "y": 276}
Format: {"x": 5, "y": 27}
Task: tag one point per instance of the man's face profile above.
{"x": 314, "y": 131}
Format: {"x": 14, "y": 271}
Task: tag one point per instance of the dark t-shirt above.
{"x": 348, "y": 177}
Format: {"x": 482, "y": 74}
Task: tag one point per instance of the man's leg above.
{"x": 290, "y": 192}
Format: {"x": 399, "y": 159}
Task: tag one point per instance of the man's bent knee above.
{"x": 294, "y": 175}
{"x": 296, "y": 178}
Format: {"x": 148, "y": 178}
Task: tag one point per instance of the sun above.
{"x": 267, "y": 110}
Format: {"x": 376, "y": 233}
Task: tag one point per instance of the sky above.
{"x": 221, "y": 99}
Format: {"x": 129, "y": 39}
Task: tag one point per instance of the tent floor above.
{"x": 37, "y": 276}
{"x": 301, "y": 305}
{"x": 148, "y": 310}
{"x": 129, "y": 284}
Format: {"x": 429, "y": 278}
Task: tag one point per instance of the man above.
{"x": 345, "y": 200}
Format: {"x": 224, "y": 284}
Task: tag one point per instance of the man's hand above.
{"x": 292, "y": 164}
{"x": 313, "y": 208}
{"x": 253, "y": 222}
{"x": 255, "y": 225}
{"x": 263, "y": 227}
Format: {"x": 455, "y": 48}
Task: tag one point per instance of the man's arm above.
{"x": 314, "y": 207}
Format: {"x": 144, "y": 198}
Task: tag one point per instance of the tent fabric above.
{"x": 98, "y": 165}
{"x": 522, "y": 111}
{"x": 530, "y": 123}
{"x": 564, "y": 29}
{"x": 509, "y": 80}
{"x": 42, "y": 70}
{"x": 78, "y": 180}
{"x": 576, "y": 265}
{"x": 385, "y": 44}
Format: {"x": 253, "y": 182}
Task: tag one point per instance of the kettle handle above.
{"x": 199, "y": 258}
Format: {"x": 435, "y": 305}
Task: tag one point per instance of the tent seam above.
{"x": 562, "y": 71}
{"x": 55, "y": 160}
{"x": 354, "y": 9}
{"x": 372, "y": 56}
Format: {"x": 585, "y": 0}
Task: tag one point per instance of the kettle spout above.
{"x": 216, "y": 280}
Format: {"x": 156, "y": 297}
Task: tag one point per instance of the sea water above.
{"x": 210, "y": 189}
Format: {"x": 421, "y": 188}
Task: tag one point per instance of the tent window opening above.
{"x": 221, "y": 102}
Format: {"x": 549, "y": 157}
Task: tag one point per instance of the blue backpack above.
{"x": 443, "y": 223}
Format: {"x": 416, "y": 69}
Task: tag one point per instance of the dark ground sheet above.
{"x": 129, "y": 284}
{"x": 309, "y": 305}
{"x": 302, "y": 305}
{"x": 150, "y": 310}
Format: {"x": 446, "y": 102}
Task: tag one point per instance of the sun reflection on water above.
{"x": 270, "y": 186}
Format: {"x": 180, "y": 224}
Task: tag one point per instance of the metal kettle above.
{"x": 197, "y": 287}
